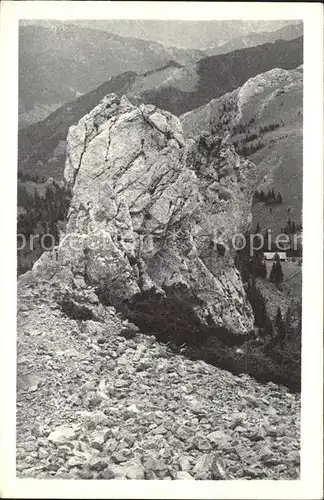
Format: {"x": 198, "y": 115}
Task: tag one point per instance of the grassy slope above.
{"x": 281, "y": 155}
{"x": 290, "y": 289}
{"x": 288, "y": 152}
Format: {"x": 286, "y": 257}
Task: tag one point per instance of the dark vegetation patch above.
{"x": 169, "y": 64}
{"x": 246, "y": 151}
{"x": 246, "y": 136}
{"x": 266, "y": 357}
{"x": 103, "y": 295}
{"x": 172, "y": 318}
{"x": 39, "y": 227}
{"x": 74, "y": 310}
{"x": 268, "y": 362}
{"x": 220, "y": 249}
{"x": 268, "y": 198}
{"x": 271, "y": 352}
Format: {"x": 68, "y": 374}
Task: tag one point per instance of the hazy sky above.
{"x": 187, "y": 34}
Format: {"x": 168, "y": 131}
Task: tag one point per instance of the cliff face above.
{"x": 152, "y": 220}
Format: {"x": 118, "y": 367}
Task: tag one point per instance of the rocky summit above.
{"x": 146, "y": 255}
{"x": 152, "y": 219}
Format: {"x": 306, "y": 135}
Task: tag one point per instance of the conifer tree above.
{"x": 288, "y": 322}
{"x": 276, "y": 275}
{"x": 279, "y": 272}
{"x": 263, "y": 270}
{"x": 273, "y": 272}
{"x": 278, "y": 321}
{"x": 268, "y": 326}
{"x": 257, "y": 302}
{"x": 280, "y": 325}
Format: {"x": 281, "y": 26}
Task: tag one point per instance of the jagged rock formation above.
{"x": 149, "y": 225}
{"x": 152, "y": 219}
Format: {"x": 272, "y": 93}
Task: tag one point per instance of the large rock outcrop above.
{"x": 152, "y": 219}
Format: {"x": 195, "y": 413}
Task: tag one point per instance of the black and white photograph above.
{"x": 160, "y": 234}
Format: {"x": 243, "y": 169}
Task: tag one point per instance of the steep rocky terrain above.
{"x": 97, "y": 399}
{"x": 148, "y": 239}
{"x": 152, "y": 219}
{"x": 170, "y": 87}
{"x": 264, "y": 118}
{"x": 59, "y": 62}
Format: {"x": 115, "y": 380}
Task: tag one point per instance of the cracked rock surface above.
{"x": 152, "y": 219}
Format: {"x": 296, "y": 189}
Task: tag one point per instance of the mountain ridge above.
{"x": 91, "y": 56}
{"x": 273, "y": 100}
{"x": 253, "y": 39}
{"x": 188, "y": 35}
{"x": 164, "y": 95}
{"x": 233, "y": 70}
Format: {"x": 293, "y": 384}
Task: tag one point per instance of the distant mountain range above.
{"x": 184, "y": 34}
{"x": 287, "y": 32}
{"x": 59, "y": 61}
{"x": 215, "y": 75}
{"x": 176, "y": 89}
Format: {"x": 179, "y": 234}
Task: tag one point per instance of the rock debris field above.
{"x": 100, "y": 400}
